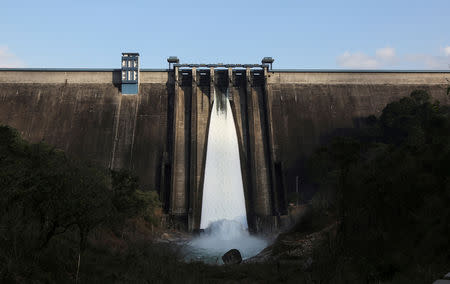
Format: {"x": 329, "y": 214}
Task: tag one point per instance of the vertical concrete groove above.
{"x": 138, "y": 101}
{"x": 212, "y": 85}
{"x": 266, "y": 125}
{"x": 175, "y": 163}
{"x": 261, "y": 153}
{"x": 276, "y": 184}
{"x": 187, "y": 147}
{"x": 193, "y": 152}
{"x": 251, "y": 163}
{"x": 116, "y": 133}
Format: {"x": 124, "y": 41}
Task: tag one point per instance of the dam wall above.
{"x": 160, "y": 134}
{"x": 85, "y": 114}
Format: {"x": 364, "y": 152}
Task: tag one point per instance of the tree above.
{"x": 391, "y": 178}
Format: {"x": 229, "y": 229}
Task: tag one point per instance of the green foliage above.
{"x": 129, "y": 200}
{"x": 392, "y": 190}
{"x": 148, "y": 201}
{"x": 48, "y": 198}
{"x": 44, "y": 193}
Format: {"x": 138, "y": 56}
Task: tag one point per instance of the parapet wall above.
{"x": 84, "y": 113}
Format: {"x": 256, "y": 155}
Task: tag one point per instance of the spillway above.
{"x": 224, "y": 216}
{"x": 223, "y": 191}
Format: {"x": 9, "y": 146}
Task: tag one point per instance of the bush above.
{"x": 129, "y": 201}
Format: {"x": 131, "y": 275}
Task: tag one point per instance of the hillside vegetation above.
{"x": 50, "y": 205}
{"x": 388, "y": 184}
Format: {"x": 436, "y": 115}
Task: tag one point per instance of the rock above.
{"x": 298, "y": 246}
{"x": 447, "y": 276}
{"x": 446, "y": 280}
{"x": 232, "y": 256}
{"x": 264, "y": 256}
{"x": 308, "y": 263}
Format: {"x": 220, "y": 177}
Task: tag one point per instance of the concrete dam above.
{"x": 155, "y": 122}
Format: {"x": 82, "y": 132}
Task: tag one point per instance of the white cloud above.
{"x": 385, "y": 54}
{"x": 8, "y": 59}
{"x": 428, "y": 61}
{"x": 357, "y": 60}
{"x": 386, "y": 57}
{"x": 447, "y": 50}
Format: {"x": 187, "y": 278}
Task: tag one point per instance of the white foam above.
{"x": 220, "y": 237}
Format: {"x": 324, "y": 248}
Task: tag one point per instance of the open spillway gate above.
{"x": 193, "y": 98}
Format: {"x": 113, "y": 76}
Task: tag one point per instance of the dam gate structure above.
{"x": 245, "y": 86}
{"x": 155, "y": 122}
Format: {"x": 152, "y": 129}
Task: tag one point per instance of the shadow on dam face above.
{"x": 194, "y": 97}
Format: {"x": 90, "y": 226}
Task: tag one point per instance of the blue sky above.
{"x": 394, "y": 34}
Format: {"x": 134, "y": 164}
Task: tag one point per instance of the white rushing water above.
{"x": 224, "y": 217}
{"x": 223, "y": 192}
